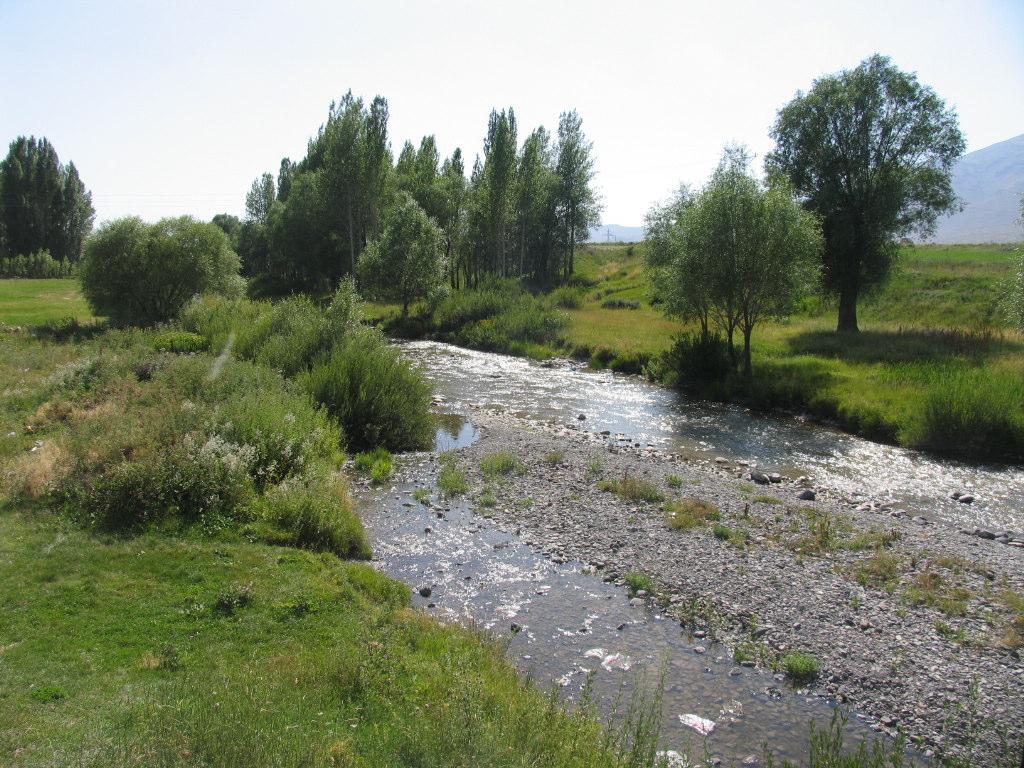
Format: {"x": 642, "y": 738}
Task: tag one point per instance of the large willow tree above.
{"x": 870, "y": 150}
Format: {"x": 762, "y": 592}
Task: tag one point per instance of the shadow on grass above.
{"x": 903, "y": 345}
{"x": 69, "y": 330}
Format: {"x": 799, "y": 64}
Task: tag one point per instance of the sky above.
{"x": 171, "y": 108}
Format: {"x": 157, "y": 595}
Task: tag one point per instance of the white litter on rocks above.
{"x": 701, "y": 725}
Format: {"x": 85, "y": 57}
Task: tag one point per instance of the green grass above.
{"x": 633, "y": 488}
{"x": 188, "y": 635}
{"x": 451, "y": 480}
{"x": 34, "y": 302}
{"x": 685, "y": 514}
{"x": 800, "y": 667}
{"x": 638, "y": 581}
{"x": 932, "y": 368}
{"x": 502, "y": 463}
{"x": 192, "y": 653}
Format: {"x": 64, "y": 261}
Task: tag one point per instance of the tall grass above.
{"x": 973, "y": 413}
{"x": 377, "y": 397}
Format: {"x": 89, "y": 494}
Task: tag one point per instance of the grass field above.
{"x": 931, "y": 351}
{"x": 180, "y": 641}
{"x": 34, "y": 302}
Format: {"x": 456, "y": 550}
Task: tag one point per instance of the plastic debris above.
{"x": 616, "y": 661}
{"x": 701, "y": 725}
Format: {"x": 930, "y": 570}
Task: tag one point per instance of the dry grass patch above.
{"x": 37, "y": 473}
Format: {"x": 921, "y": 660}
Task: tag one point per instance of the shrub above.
{"x": 35, "y": 265}
{"x": 179, "y": 342}
{"x": 378, "y": 397}
{"x": 974, "y": 413}
{"x": 138, "y": 274}
{"x": 567, "y": 297}
{"x": 285, "y": 429}
{"x": 695, "y": 359}
{"x": 685, "y": 514}
{"x": 673, "y": 481}
{"x": 312, "y": 512}
{"x": 800, "y": 667}
{"x": 205, "y": 484}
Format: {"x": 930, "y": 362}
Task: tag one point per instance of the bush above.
{"x": 567, "y": 297}
{"x": 139, "y": 274}
{"x": 500, "y": 316}
{"x": 695, "y": 359}
{"x": 637, "y": 581}
{"x": 285, "y": 430}
{"x": 313, "y": 513}
{"x": 179, "y": 342}
{"x": 288, "y": 336}
{"x": 379, "y": 399}
{"x": 205, "y": 484}
{"x": 35, "y": 265}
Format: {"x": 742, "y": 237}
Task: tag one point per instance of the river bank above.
{"x": 910, "y": 621}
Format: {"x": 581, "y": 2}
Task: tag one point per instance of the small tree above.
{"x": 138, "y": 274}
{"x": 405, "y": 263}
{"x": 738, "y": 253}
{"x": 871, "y": 151}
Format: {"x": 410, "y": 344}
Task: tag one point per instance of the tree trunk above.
{"x": 351, "y": 241}
{"x": 729, "y": 331}
{"x": 748, "y": 370}
{"x": 848, "y": 309}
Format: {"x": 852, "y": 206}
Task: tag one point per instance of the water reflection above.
{"x": 649, "y": 414}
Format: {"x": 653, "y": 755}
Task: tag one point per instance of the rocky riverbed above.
{"x": 916, "y": 624}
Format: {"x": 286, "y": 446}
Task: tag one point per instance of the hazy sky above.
{"x": 174, "y": 107}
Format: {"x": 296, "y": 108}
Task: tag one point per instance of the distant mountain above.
{"x": 616, "y": 233}
{"x": 990, "y": 182}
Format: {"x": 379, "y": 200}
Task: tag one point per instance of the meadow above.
{"x": 933, "y": 367}
{"x": 181, "y": 579}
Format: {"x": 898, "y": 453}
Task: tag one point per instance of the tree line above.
{"x": 521, "y": 212}
{"x": 44, "y": 206}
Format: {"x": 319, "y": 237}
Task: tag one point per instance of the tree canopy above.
{"x": 136, "y": 273}
{"x": 736, "y": 253}
{"x": 44, "y": 206}
{"x": 870, "y": 150}
{"x": 406, "y": 262}
{"x": 521, "y": 213}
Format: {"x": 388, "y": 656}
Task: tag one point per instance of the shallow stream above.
{"x": 563, "y": 622}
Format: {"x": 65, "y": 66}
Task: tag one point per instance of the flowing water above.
{"x": 564, "y": 624}
{"x": 634, "y": 409}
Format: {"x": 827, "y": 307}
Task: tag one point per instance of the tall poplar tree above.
{"x": 44, "y": 205}
{"x": 579, "y": 206}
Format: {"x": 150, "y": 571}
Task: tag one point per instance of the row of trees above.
{"x": 868, "y": 153}
{"x": 522, "y": 211}
{"x": 44, "y": 206}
